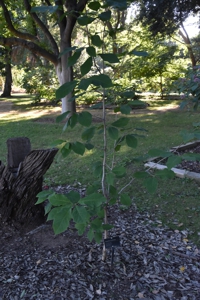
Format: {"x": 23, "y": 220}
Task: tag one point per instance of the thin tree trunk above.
{"x": 188, "y": 43}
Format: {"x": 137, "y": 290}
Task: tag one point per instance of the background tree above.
{"x": 6, "y": 70}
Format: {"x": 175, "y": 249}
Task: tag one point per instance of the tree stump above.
{"x": 19, "y": 185}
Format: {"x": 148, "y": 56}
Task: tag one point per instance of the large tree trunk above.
{"x": 65, "y": 74}
{"x": 18, "y": 191}
{"x": 8, "y": 71}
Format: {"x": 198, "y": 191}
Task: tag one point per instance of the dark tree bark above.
{"x": 8, "y": 72}
{"x": 18, "y": 193}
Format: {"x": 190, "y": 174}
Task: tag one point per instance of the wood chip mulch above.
{"x": 152, "y": 262}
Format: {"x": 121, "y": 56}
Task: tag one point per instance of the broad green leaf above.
{"x": 95, "y": 5}
{"x": 110, "y": 178}
{"x": 44, "y": 9}
{"x": 47, "y": 208}
{"x": 58, "y": 200}
{"x": 113, "y": 133}
{"x": 91, "y": 51}
{"x": 159, "y": 153}
{"x": 121, "y": 122}
{"x": 96, "y": 224}
{"x": 78, "y": 148}
{"x": 119, "y": 171}
{"x": 81, "y": 228}
{"x": 67, "y": 50}
{"x": 93, "y": 188}
{"x": 113, "y": 191}
{"x": 101, "y": 80}
{"x": 73, "y": 196}
{"x": 96, "y": 41}
{"x": 57, "y": 143}
{"x": 42, "y": 196}
{"x": 117, "y": 4}
{"x": 131, "y": 141}
{"x": 86, "y": 66}
{"x": 85, "y": 118}
{"x": 61, "y": 117}
{"x": 88, "y": 133}
{"x": 117, "y": 148}
{"x": 139, "y": 53}
{"x": 73, "y": 120}
{"x": 125, "y": 109}
{"x": 89, "y": 146}
{"x": 191, "y": 156}
{"x": 84, "y": 83}
{"x": 65, "y": 151}
{"x": 105, "y": 16}
{"x": 109, "y": 57}
{"x": 116, "y": 109}
{"x": 61, "y": 219}
{"x": 128, "y": 94}
{"x": 97, "y": 168}
{"x": 166, "y": 174}
{"x": 98, "y": 237}
{"x": 107, "y": 226}
{"x": 94, "y": 199}
{"x": 90, "y": 235}
{"x": 85, "y": 20}
{"x": 125, "y": 199}
{"x": 151, "y": 184}
{"x": 141, "y": 174}
{"x": 65, "y": 89}
{"x": 73, "y": 59}
{"x": 80, "y": 214}
{"x": 173, "y": 161}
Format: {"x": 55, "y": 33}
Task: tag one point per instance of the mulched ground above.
{"x": 152, "y": 262}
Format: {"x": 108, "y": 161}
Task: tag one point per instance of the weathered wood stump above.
{"x": 22, "y": 179}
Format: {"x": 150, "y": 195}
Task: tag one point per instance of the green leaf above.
{"x": 125, "y": 199}
{"x": 85, "y": 118}
{"x": 42, "y": 196}
{"x": 73, "y": 59}
{"x": 96, "y": 224}
{"x": 101, "y": 80}
{"x": 78, "y": 148}
{"x": 61, "y": 217}
{"x": 125, "y": 109}
{"x": 86, "y": 66}
{"x": 85, "y": 20}
{"x": 121, "y": 122}
{"x": 139, "y": 53}
{"x": 95, "y": 5}
{"x": 151, "y": 184}
{"x": 107, "y": 226}
{"x": 89, "y": 146}
{"x": 105, "y": 16}
{"x": 92, "y": 200}
{"x": 97, "y": 168}
{"x": 90, "y": 235}
{"x": 91, "y": 51}
{"x": 58, "y": 200}
{"x": 141, "y": 174}
{"x": 80, "y": 214}
{"x": 98, "y": 237}
{"x": 117, "y": 4}
{"x": 84, "y": 83}
{"x": 66, "y": 149}
{"x": 109, "y": 57}
{"x": 131, "y": 141}
{"x": 73, "y": 196}
{"x": 110, "y": 178}
{"x": 73, "y": 120}
{"x": 88, "y": 133}
{"x": 173, "y": 161}
{"x": 44, "y": 9}
{"x": 67, "y": 50}
{"x": 159, "y": 153}
{"x": 128, "y": 94}
{"x": 47, "y": 208}
{"x": 65, "y": 89}
{"x": 117, "y": 148}
{"x": 119, "y": 171}
{"x": 61, "y": 117}
{"x": 81, "y": 228}
{"x": 113, "y": 133}
{"x": 166, "y": 174}
{"x": 113, "y": 191}
{"x": 96, "y": 41}
{"x": 191, "y": 156}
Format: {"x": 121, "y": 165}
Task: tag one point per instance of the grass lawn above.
{"x": 176, "y": 202}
